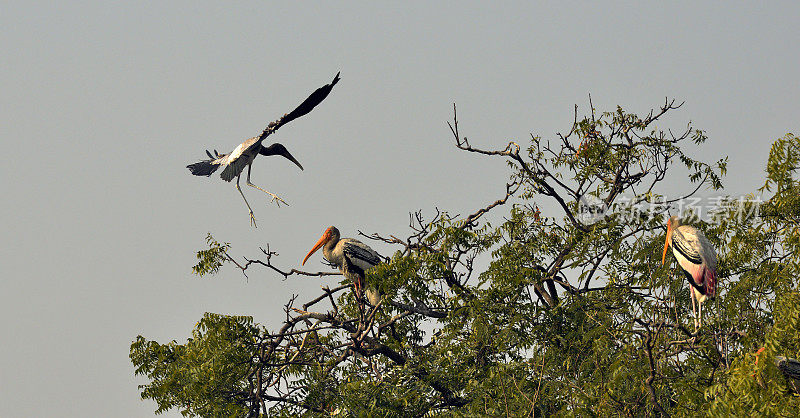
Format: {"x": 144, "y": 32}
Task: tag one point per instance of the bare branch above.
{"x": 268, "y": 263}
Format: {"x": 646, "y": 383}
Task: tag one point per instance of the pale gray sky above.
{"x": 104, "y": 104}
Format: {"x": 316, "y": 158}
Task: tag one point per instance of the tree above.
{"x": 540, "y": 315}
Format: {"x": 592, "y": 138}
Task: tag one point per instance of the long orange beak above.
{"x": 666, "y": 243}
{"x": 325, "y": 237}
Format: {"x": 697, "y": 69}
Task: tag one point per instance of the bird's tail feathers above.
{"x": 710, "y": 282}
{"x": 203, "y": 168}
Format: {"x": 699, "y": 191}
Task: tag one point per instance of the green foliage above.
{"x": 542, "y": 315}
{"x": 782, "y": 164}
{"x": 211, "y": 259}
{"x": 206, "y": 376}
{"x": 755, "y": 386}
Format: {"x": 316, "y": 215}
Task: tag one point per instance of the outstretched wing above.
{"x": 311, "y": 101}
{"x": 308, "y": 105}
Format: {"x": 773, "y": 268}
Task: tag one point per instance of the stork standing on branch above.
{"x": 243, "y": 156}
{"x": 698, "y": 261}
{"x": 352, "y": 257}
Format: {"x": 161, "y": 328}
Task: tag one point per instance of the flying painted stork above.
{"x": 698, "y": 261}
{"x": 235, "y": 162}
{"x": 352, "y": 257}
{"x": 243, "y": 156}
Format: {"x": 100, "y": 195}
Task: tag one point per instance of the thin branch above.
{"x": 268, "y": 263}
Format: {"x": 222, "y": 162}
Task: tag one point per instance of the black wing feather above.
{"x": 308, "y": 104}
{"x": 311, "y": 101}
{"x": 789, "y": 367}
{"x": 359, "y": 253}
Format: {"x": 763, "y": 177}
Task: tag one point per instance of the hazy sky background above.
{"x": 104, "y": 104}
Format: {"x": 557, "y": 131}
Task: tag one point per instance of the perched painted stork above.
{"x": 352, "y": 257}
{"x": 243, "y": 156}
{"x": 698, "y": 261}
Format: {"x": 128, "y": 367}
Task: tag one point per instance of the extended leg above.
{"x": 358, "y": 286}
{"x": 699, "y": 313}
{"x": 694, "y": 310}
{"x": 275, "y": 197}
{"x": 252, "y": 217}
